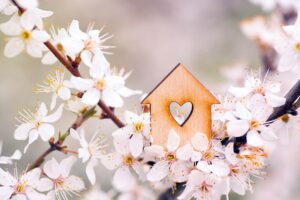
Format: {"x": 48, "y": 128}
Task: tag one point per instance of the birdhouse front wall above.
{"x": 179, "y": 86}
{"x": 162, "y": 121}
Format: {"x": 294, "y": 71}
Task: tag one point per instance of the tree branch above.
{"x": 74, "y": 71}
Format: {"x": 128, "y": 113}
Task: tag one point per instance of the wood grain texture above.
{"x": 179, "y": 86}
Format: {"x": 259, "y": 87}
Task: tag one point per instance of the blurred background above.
{"x": 151, "y": 37}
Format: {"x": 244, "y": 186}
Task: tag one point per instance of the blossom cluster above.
{"x": 209, "y": 168}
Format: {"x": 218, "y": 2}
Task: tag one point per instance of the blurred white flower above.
{"x": 9, "y": 159}
{"x": 136, "y": 192}
{"x": 255, "y": 86}
{"x": 56, "y": 41}
{"x": 171, "y": 161}
{"x": 202, "y": 186}
{"x": 97, "y": 194}
{"x": 124, "y": 162}
{"x": 265, "y": 4}
{"x": 64, "y": 184}
{"x": 35, "y": 124}
{"x": 105, "y": 85}
{"x": 23, "y": 38}
{"x": 21, "y": 188}
{"x": 91, "y": 151}
{"x": 138, "y": 129}
{"x": 56, "y": 84}
{"x": 32, "y": 16}
{"x": 288, "y": 47}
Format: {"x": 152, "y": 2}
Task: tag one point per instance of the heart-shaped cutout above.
{"x": 181, "y": 113}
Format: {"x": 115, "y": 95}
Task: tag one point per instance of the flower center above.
{"x": 128, "y": 160}
{"x": 89, "y": 45}
{"x": 25, "y": 35}
{"x": 138, "y": 127}
{"x": 208, "y": 155}
{"x": 100, "y": 85}
{"x": 297, "y": 46}
{"x": 59, "y": 182}
{"x": 60, "y": 47}
{"x": 20, "y": 188}
{"x": 260, "y": 90}
{"x": 285, "y": 118}
{"x": 254, "y": 124}
{"x": 204, "y": 187}
{"x": 170, "y": 157}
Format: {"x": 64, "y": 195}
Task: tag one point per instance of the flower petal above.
{"x": 237, "y": 128}
{"x": 51, "y": 169}
{"x": 200, "y": 142}
{"x": 46, "y": 131}
{"x": 185, "y": 152}
{"x": 159, "y": 171}
{"x": 54, "y": 116}
{"x": 14, "y": 47}
{"x": 66, "y": 165}
{"x": 90, "y": 172}
{"x": 91, "y": 96}
{"x": 123, "y": 180}
{"x": 254, "y": 139}
{"x": 64, "y": 93}
{"x": 81, "y": 84}
{"x": 173, "y": 141}
{"x": 22, "y": 131}
{"x": 136, "y": 144}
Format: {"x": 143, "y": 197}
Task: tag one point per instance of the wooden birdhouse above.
{"x": 182, "y": 89}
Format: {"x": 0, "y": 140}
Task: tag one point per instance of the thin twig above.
{"x": 74, "y": 71}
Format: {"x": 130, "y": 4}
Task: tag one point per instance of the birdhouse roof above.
{"x": 181, "y": 82}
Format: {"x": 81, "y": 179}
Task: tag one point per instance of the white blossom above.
{"x": 202, "y": 186}
{"x": 56, "y": 84}
{"x": 24, "y": 187}
{"x": 255, "y": 86}
{"x": 253, "y": 123}
{"x": 56, "y": 40}
{"x": 104, "y": 85}
{"x": 23, "y": 37}
{"x": 90, "y": 152}
{"x": 35, "y": 124}
{"x": 84, "y": 44}
{"x": 32, "y": 16}
{"x": 64, "y": 184}
{"x": 124, "y": 162}
{"x": 288, "y": 47}
{"x": 171, "y": 162}
{"x": 138, "y": 130}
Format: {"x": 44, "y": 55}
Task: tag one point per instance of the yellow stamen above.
{"x": 128, "y": 160}
{"x": 297, "y": 46}
{"x": 254, "y": 124}
{"x": 138, "y": 127}
{"x": 60, "y": 47}
{"x": 170, "y": 157}
{"x": 285, "y": 118}
{"x": 25, "y": 35}
{"x": 100, "y": 84}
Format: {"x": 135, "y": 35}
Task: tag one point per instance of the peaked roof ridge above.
{"x": 169, "y": 74}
